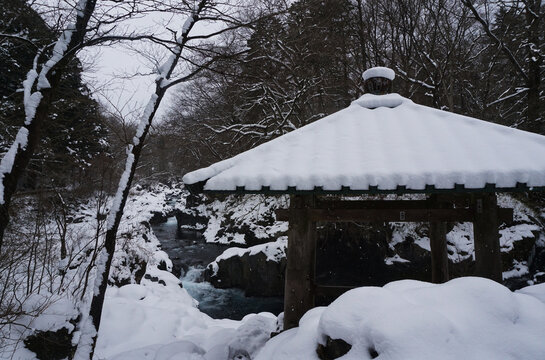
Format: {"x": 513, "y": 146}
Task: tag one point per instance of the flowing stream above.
{"x": 192, "y": 254}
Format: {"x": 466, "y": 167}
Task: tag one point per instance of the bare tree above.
{"x": 166, "y": 78}
{"x": 525, "y": 56}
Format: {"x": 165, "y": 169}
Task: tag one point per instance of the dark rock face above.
{"x": 190, "y": 219}
{"x": 253, "y": 273}
{"x": 51, "y": 345}
{"x": 156, "y": 279}
{"x": 159, "y": 217}
{"x": 333, "y": 349}
{"x": 353, "y": 255}
{"x": 521, "y": 250}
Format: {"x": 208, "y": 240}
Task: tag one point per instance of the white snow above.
{"x": 519, "y": 269}
{"x": 248, "y": 211}
{"x": 30, "y": 100}
{"x": 409, "y": 145}
{"x": 274, "y": 251}
{"x": 152, "y": 321}
{"x": 516, "y": 233}
{"x": 466, "y": 318}
{"x": 58, "y": 53}
{"x": 123, "y": 183}
{"x": 379, "y": 71}
{"x": 371, "y": 101}
{"x": 6, "y": 165}
{"x": 393, "y": 259}
{"x": 144, "y": 119}
{"x": 537, "y": 291}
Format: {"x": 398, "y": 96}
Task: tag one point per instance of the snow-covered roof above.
{"x": 384, "y": 144}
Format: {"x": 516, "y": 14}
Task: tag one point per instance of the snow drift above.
{"x": 466, "y": 318}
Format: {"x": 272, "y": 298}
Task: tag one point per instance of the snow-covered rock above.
{"x": 259, "y": 269}
{"x": 237, "y": 220}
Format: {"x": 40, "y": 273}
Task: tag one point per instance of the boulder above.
{"x": 190, "y": 219}
{"x": 254, "y": 273}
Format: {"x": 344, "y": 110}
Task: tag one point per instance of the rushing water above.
{"x": 192, "y": 254}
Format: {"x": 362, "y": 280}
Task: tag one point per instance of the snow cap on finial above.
{"x": 378, "y": 80}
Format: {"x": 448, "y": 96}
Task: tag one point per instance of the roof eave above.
{"x": 373, "y": 190}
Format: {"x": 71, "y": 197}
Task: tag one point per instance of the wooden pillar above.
{"x": 299, "y": 289}
{"x": 438, "y": 245}
{"x": 487, "y": 237}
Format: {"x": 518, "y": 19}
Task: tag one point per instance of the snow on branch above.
{"x": 501, "y": 44}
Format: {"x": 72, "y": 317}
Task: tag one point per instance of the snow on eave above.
{"x": 375, "y": 131}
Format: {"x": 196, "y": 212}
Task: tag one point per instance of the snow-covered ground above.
{"x": 156, "y": 319}
{"x": 466, "y": 318}
{"x": 152, "y": 321}
{"x": 469, "y": 318}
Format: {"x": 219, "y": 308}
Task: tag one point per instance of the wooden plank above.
{"x": 504, "y": 215}
{"x": 372, "y": 204}
{"x": 299, "y": 289}
{"x": 438, "y": 247}
{"x": 487, "y": 237}
{"x": 384, "y": 215}
{"x": 331, "y": 291}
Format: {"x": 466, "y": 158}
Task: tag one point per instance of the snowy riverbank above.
{"x": 149, "y": 315}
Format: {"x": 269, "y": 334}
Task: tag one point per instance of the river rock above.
{"x": 191, "y": 219}
{"x": 258, "y": 270}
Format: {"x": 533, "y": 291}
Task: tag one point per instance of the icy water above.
{"x": 192, "y": 254}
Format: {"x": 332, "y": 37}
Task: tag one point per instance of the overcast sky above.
{"x": 119, "y": 75}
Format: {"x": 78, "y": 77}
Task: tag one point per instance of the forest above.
{"x": 83, "y": 181}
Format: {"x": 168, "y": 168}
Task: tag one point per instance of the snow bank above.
{"x": 152, "y": 321}
{"x": 466, "y": 318}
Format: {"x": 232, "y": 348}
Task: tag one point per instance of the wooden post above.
{"x": 487, "y": 237}
{"x": 438, "y": 245}
{"x": 299, "y": 289}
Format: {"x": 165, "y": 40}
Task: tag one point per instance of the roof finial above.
{"x": 378, "y": 80}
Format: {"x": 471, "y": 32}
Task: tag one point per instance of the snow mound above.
{"x": 466, "y": 318}
{"x": 379, "y": 71}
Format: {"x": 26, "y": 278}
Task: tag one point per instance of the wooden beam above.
{"x": 299, "y": 289}
{"x": 487, "y": 237}
{"x": 438, "y": 247}
{"x": 372, "y": 204}
{"x": 382, "y": 215}
{"x": 395, "y": 215}
{"x": 331, "y": 291}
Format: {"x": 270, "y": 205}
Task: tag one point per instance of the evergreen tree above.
{"x": 75, "y": 133}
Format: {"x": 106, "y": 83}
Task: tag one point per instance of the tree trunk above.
{"x": 91, "y": 325}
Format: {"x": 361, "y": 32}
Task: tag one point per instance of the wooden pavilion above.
{"x": 384, "y": 144}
